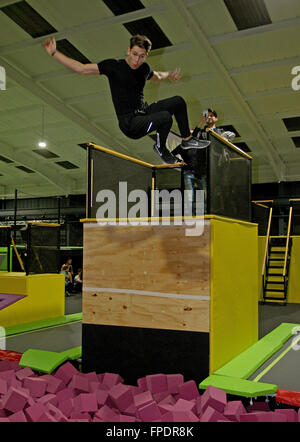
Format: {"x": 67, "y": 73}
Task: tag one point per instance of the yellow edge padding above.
{"x": 231, "y": 145}
{"x": 135, "y": 160}
{"x": 234, "y": 290}
{"x": 44, "y": 297}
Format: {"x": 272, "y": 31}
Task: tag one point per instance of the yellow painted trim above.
{"x": 206, "y": 217}
{"x": 135, "y": 160}
{"x": 37, "y": 223}
{"x": 232, "y": 146}
{"x": 18, "y": 255}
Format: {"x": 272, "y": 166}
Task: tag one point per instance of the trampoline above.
{"x": 270, "y": 367}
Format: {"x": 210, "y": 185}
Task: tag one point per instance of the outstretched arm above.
{"x": 70, "y": 63}
{"x": 161, "y": 76}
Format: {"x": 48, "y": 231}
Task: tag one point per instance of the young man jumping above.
{"x": 127, "y": 78}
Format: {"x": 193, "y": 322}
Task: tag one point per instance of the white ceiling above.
{"x": 244, "y": 75}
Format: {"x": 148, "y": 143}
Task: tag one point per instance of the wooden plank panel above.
{"x": 132, "y": 310}
{"x": 153, "y": 258}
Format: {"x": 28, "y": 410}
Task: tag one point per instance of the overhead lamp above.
{"x": 43, "y": 143}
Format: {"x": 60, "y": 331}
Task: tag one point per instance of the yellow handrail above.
{"x": 287, "y": 240}
{"x": 267, "y": 241}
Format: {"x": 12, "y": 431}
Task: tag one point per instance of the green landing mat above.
{"x": 48, "y": 361}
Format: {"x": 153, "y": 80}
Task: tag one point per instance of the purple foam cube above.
{"x": 215, "y": 398}
{"x": 211, "y": 415}
{"x": 121, "y": 396}
{"x": 188, "y": 390}
{"x": 18, "y": 417}
{"x": 149, "y": 412}
{"x": 66, "y": 372}
{"x": 173, "y": 382}
{"x": 85, "y": 402}
{"x": 233, "y": 410}
{"x": 157, "y": 383}
{"x": 14, "y": 400}
{"x": 142, "y": 399}
{"x": 36, "y": 386}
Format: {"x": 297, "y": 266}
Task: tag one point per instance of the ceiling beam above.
{"x": 193, "y": 28}
{"x": 259, "y": 30}
{"x": 156, "y": 9}
{"x": 102, "y": 136}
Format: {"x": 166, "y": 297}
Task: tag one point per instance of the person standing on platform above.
{"x": 210, "y": 117}
{"x": 127, "y": 79}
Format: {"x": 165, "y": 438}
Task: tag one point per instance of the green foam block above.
{"x": 240, "y": 387}
{"x": 47, "y": 361}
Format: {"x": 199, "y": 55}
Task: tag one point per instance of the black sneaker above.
{"x": 165, "y": 155}
{"x": 194, "y": 143}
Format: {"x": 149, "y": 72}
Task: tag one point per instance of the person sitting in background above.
{"x": 69, "y": 267}
{"x": 68, "y": 279}
{"x": 78, "y": 281}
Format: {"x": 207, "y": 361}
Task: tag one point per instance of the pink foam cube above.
{"x": 79, "y": 384}
{"x": 185, "y": 406}
{"x": 65, "y": 394}
{"x": 121, "y": 396}
{"x": 290, "y": 413}
{"x": 131, "y": 410}
{"x": 36, "y": 386}
{"x": 258, "y": 406}
{"x": 48, "y": 399}
{"x": 102, "y": 397}
{"x": 142, "y": 383}
{"x": 189, "y": 390}
{"x": 46, "y": 417}
{"x": 24, "y": 373}
{"x": 5, "y": 365}
{"x": 185, "y": 416}
{"x": 14, "y": 400}
{"x": 250, "y": 417}
{"x": 3, "y": 386}
{"x": 215, "y": 398}
{"x": 165, "y": 408}
{"x": 18, "y": 417}
{"x": 168, "y": 400}
{"x": 233, "y": 410}
{"x": 91, "y": 377}
{"x": 34, "y": 412}
{"x": 157, "y": 383}
{"x": 149, "y": 412}
{"x": 78, "y": 415}
{"x": 67, "y": 407}
{"x": 211, "y": 415}
{"x": 173, "y": 382}
{"x": 126, "y": 418}
{"x": 54, "y": 384}
{"x": 94, "y": 386}
{"x": 4, "y": 419}
{"x": 142, "y": 399}
{"x": 106, "y": 414}
{"x": 14, "y": 383}
{"x": 7, "y": 375}
{"x": 111, "y": 379}
{"x": 66, "y": 372}
{"x": 167, "y": 417}
{"x": 85, "y": 402}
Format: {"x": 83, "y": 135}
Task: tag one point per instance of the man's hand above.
{"x": 50, "y": 46}
{"x": 175, "y": 75}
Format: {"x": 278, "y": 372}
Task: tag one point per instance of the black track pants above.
{"x": 158, "y": 118}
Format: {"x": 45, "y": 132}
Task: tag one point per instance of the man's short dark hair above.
{"x": 141, "y": 41}
{"x": 213, "y": 112}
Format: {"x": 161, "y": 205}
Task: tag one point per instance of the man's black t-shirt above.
{"x": 126, "y": 84}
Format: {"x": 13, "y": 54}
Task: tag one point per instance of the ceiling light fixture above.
{"x": 43, "y": 143}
